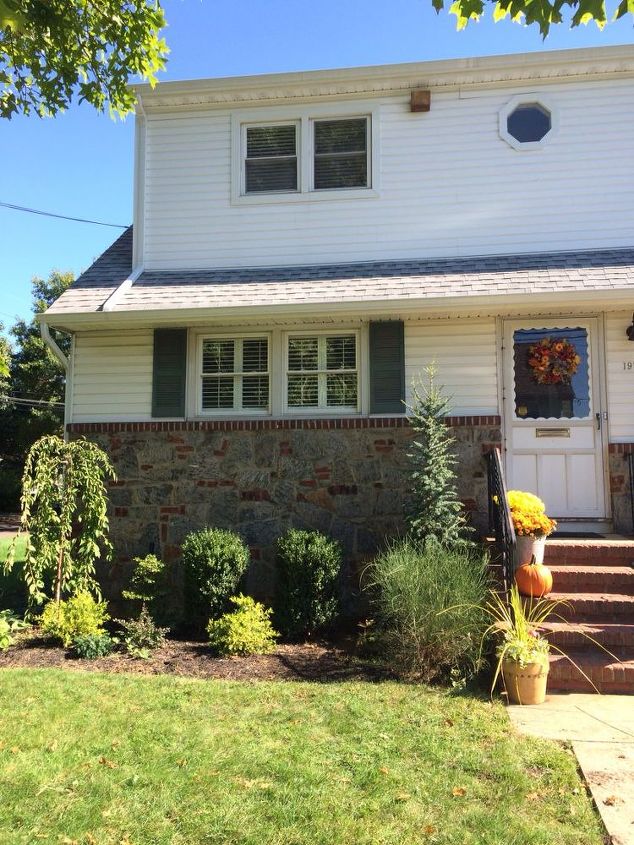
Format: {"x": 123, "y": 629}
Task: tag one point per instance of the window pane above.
{"x": 271, "y": 175}
{"x": 217, "y": 392}
{"x": 302, "y": 353}
{"x": 341, "y": 390}
{"x": 271, "y": 141}
{"x": 341, "y": 154}
{"x": 303, "y": 391}
{"x": 218, "y": 356}
{"x": 255, "y": 392}
{"x": 551, "y": 373}
{"x": 341, "y": 136}
{"x": 528, "y": 123}
{"x": 341, "y": 353}
{"x": 255, "y": 356}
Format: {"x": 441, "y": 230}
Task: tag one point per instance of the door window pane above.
{"x": 551, "y": 373}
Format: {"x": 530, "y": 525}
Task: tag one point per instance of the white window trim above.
{"x": 198, "y": 375}
{"x": 324, "y": 411}
{"x": 304, "y": 117}
{"x": 524, "y": 100}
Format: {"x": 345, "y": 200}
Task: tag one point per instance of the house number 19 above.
{"x": 628, "y": 365}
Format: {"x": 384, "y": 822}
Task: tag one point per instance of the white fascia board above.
{"x": 558, "y": 65}
{"x": 572, "y": 301}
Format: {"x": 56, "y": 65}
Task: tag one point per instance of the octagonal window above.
{"x": 529, "y": 123}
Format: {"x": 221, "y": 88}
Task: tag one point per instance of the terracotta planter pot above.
{"x": 526, "y": 547}
{"x": 527, "y": 684}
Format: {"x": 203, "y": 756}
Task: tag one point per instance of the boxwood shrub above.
{"x": 308, "y": 592}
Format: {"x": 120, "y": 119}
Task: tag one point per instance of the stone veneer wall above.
{"x": 620, "y": 487}
{"x": 345, "y": 477}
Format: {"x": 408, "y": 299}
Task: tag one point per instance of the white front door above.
{"x": 553, "y": 418}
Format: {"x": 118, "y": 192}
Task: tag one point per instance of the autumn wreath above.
{"x": 553, "y": 361}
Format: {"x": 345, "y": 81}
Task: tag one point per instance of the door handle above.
{"x": 598, "y": 416}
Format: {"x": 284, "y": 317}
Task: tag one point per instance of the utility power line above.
{"x": 16, "y": 401}
{"x": 61, "y": 216}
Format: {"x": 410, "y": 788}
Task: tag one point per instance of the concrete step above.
{"x": 607, "y": 674}
{"x": 584, "y": 607}
{"x": 593, "y": 579}
{"x": 611, "y": 635}
{"x": 609, "y": 552}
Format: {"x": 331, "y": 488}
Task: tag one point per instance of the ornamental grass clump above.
{"x": 528, "y": 513}
{"x": 428, "y": 602}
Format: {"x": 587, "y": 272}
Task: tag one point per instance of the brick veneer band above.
{"x": 621, "y": 448}
{"x": 338, "y": 423}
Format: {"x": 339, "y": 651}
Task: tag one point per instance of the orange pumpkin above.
{"x": 534, "y": 579}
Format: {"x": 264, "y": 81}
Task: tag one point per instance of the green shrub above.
{"x": 92, "y": 646}
{"x": 79, "y": 615}
{"x": 308, "y": 569}
{"x": 247, "y": 630}
{"x": 214, "y": 561}
{"x": 10, "y": 625}
{"x": 141, "y": 636}
{"x": 148, "y": 587}
{"x": 428, "y": 602}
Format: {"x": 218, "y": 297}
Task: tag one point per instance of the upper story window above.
{"x": 270, "y": 162}
{"x": 322, "y": 372}
{"x": 527, "y": 123}
{"x": 303, "y": 155}
{"x": 340, "y": 153}
{"x": 234, "y": 374}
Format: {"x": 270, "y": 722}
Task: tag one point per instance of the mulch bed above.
{"x": 314, "y": 661}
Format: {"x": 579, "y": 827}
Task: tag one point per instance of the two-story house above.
{"x": 304, "y": 244}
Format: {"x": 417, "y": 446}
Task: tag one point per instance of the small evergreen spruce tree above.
{"x": 435, "y": 511}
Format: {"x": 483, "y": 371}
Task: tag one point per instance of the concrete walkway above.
{"x": 601, "y": 730}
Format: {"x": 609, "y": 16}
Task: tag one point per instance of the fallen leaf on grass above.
{"x": 533, "y": 796}
{"x": 458, "y": 791}
{"x": 449, "y": 723}
{"x": 384, "y": 770}
{"x": 109, "y": 764}
{"x": 181, "y": 763}
{"x": 429, "y": 830}
{"x": 403, "y": 796}
{"x": 611, "y": 800}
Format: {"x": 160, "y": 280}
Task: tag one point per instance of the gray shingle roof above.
{"x": 372, "y": 281}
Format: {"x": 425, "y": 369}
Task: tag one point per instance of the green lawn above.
{"x": 12, "y": 591}
{"x": 115, "y": 760}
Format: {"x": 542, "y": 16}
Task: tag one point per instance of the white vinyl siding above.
{"x": 112, "y": 376}
{"x": 464, "y": 352}
{"x": 449, "y": 185}
{"x": 620, "y": 354}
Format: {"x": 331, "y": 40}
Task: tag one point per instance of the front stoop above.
{"x": 596, "y": 628}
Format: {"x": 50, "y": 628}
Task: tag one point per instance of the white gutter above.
{"x": 49, "y": 340}
{"x": 119, "y": 292}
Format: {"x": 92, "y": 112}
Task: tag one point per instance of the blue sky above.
{"x": 80, "y": 163}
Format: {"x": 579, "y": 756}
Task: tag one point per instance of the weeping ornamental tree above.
{"x": 435, "y": 511}
{"x": 64, "y": 511}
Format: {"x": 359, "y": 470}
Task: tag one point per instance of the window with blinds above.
{"x": 322, "y": 372}
{"x": 235, "y": 374}
{"x": 341, "y": 153}
{"x": 271, "y": 159}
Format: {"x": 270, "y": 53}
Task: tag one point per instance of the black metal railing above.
{"x": 500, "y": 521}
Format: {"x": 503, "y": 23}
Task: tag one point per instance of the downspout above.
{"x": 50, "y": 342}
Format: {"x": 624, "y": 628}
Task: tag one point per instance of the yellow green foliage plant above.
{"x": 246, "y": 630}
{"x": 79, "y": 616}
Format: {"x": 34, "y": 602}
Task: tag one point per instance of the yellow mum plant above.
{"x": 529, "y": 515}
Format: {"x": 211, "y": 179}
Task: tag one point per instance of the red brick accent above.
{"x": 621, "y": 448}
{"x": 333, "y": 423}
{"x": 119, "y": 511}
{"x": 257, "y": 495}
{"x": 168, "y": 509}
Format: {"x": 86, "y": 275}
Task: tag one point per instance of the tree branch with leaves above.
{"x": 54, "y": 50}
{"x": 64, "y": 512}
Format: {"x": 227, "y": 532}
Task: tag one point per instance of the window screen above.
{"x": 271, "y": 159}
{"x": 341, "y": 153}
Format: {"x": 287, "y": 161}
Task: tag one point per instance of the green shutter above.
{"x": 169, "y": 372}
{"x": 387, "y": 368}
